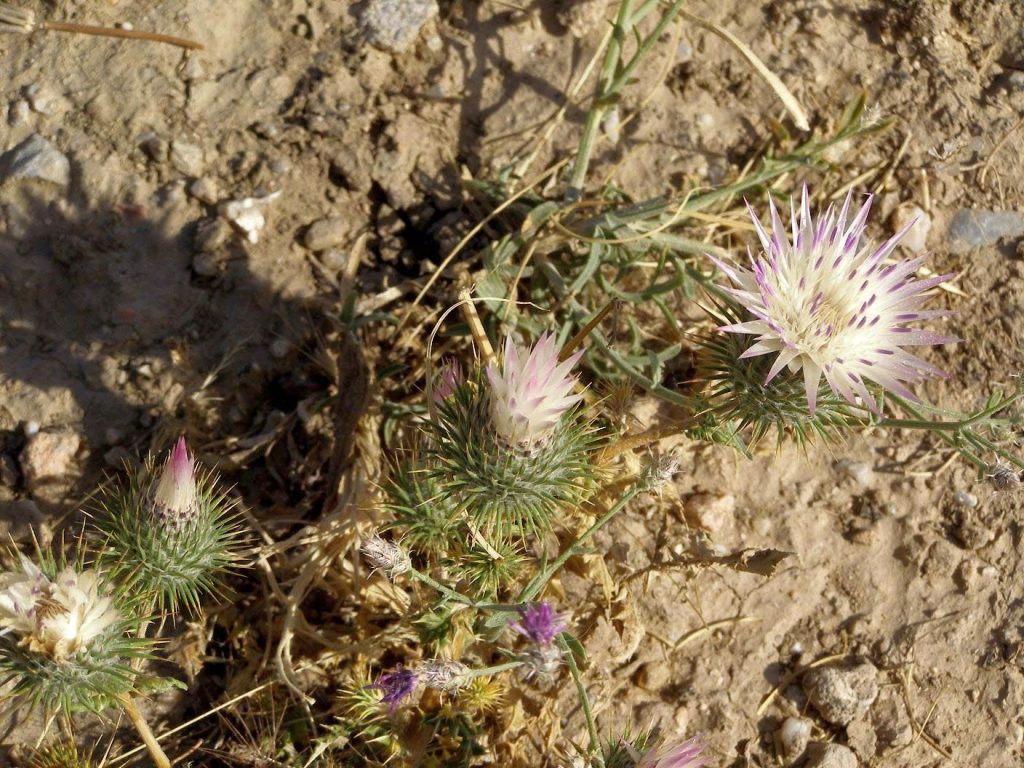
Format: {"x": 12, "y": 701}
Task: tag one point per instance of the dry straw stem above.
{"x": 785, "y": 95}
{"x": 14, "y": 19}
{"x": 144, "y": 731}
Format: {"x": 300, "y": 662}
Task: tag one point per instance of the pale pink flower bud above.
{"x": 175, "y": 496}
{"x": 675, "y": 754}
{"x": 531, "y": 392}
{"x": 448, "y": 381}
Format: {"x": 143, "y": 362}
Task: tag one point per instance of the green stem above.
{"x": 446, "y": 591}
{"x": 538, "y": 582}
{"x": 593, "y": 750}
{"x": 597, "y": 110}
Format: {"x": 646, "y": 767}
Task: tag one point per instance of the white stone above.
{"x": 35, "y": 158}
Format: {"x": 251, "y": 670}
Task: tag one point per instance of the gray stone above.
{"x": 326, "y": 233}
{"x": 394, "y": 25}
{"x": 972, "y": 228}
{"x": 842, "y": 694}
{"x": 35, "y": 158}
{"x": 821, "y": 755}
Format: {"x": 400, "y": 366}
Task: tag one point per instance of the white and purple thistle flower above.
{"x": 56, "y": 618}
{"x": 675, "y": 754}
{"x": 531, "y": 392}
{"x": 827, "y": 304}
{"x": 175, "y": 498}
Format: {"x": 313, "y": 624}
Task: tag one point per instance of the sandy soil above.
{"x": 128, "y": 312}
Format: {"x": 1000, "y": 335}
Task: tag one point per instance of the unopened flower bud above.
{"x": 448, "y": 380}
{"x": 386, "y": 556}
{"x": 659, "y": 473}
{"x": 445, "y": 675}
{"x": 675, "y": 754}
{"x": 175, "y": 497}
{"x": 1004, "y": 478}
{"x": 541, "y": 661}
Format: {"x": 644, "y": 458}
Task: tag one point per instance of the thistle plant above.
{"x": 169, "y": 538}
{"x": 509, "y": 452}
{"x": 506, "y": 451}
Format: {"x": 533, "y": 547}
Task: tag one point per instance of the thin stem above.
{"x": 155, "y": 751}
{"x": 538, "y": 582}
{"x": 446, "y": 591}
{"x": 588, "y": 712}
{"x": 597, "y": 110}
{"x": 495, "y": 670}
{"x": 130, "y": 34}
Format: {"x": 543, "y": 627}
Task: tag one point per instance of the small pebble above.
{"x": 247, "y": 214}
{"x": 48, "y": 456}
{"x": 326, "y": 233}
{"x": 394, "y": 25}
{"x": 41, "y": 99}
{"x": 859, "y": 471}
{"x": 965, "y": 499}
{"x": 842, "y": 694}
{"x": 792, "y": 738}
{"x": 211, "y": 234}
{"x": 652, "y": 676}
{"x": 18, "y": 113}
{"x": 821, "y": 755}
{"x": 684, "y": 52}
{"x": 204, "y": 190}
{"x": 916, "y": 239}
{"x": 708, "y": 511}
{"x": 892, "y": 726}
{"x": 187, "y": 158}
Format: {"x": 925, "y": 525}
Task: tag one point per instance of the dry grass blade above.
{"x": 785, "y": 95}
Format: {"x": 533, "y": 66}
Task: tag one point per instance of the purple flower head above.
{"x": 448, "y": 380}
{"x": 675, "y": 754}
{"x": 539, "y": 622}
{"x": 397, "y": 685}
{"x": 828, "y": 304}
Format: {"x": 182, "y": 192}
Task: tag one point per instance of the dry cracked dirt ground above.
{"x": 128, "y": 303}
